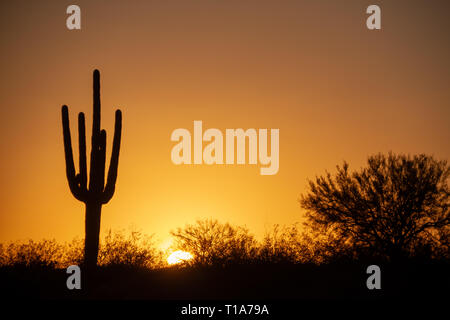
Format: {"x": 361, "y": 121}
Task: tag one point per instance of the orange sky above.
{"x": 309, "y": 68}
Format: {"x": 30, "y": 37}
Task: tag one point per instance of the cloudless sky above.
{"x": 336, "y": 90}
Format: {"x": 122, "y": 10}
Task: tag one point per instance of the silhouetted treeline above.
{"x": 210, "y": 242}
{"x": 228, "y": 263}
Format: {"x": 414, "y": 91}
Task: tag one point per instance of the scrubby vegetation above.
{"x": 228, "y": 263}
{"x": 210, "y": 242}
{"x": 117, "y": 249}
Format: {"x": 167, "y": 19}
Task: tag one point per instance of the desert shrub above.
{"x": 117, "y": 249}
{"x": 44, "y": 253}
{"x": 134, "y": 249}
{"x": 284, "y": 244}
{"x": 327, "y": 247}
{"x": 73, "y": 253}
{"x": 2, "y": 255}
{"x": 214, "y": 243}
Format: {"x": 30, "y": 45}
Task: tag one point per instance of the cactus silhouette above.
{"x": 97, "y": 193}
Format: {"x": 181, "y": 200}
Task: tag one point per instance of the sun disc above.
{"x": 179, "y": 256}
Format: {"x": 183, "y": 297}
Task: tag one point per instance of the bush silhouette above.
{"x": 32, "y": 254}
{"x": 397, "y": 207}
{"x": 117, "y": 249}
{"x": 284, "y": 244}
{"x": 214, "y": 243}
{"x": 73, "y": 253}
{"x": 132, "y": 250}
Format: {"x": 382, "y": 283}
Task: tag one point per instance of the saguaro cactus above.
{"x": 98, "y": 193}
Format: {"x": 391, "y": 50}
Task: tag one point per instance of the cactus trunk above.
{"x": 97, "y": 193}
{"x": 92, "y": 229}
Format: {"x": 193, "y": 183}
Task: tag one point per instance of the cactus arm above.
{"x": 114, "y": 162}
{"x": 101, "y": 160}
{"x": 82, "y": 151}
{"x": 96, "y": 113}
{"x": 72, "y": 178}
{"x": 94, "y": 183}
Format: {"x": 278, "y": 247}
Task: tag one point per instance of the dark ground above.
{"x": 255, "y": 282}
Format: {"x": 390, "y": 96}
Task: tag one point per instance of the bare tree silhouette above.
{"x": 391, "y": 208}
{"x": 214, "y": 243}
{"x": 98, "y": 193}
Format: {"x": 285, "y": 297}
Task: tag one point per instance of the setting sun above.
{"x": 179, "y": 257}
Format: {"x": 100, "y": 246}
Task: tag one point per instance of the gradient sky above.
{"x": 336, "y": 91}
